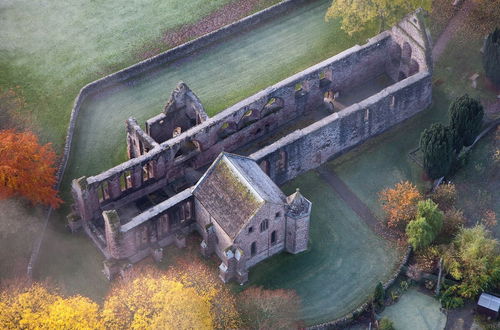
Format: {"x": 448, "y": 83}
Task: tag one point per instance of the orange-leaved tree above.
{"x": 27, "y": 168}
{"x": 400, "y": 204}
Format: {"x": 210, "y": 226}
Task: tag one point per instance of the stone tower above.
{"x": 297, "y": 222}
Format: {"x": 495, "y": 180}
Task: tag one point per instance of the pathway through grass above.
{"x": 345, "y": 260}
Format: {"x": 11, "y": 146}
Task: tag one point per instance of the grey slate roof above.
{"x": 489, "y": 301}
{"x": 299, "y": 205}
{"x": 233, "y": 189}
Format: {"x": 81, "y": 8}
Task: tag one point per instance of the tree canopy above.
{"x": 466, "y": 118}
{"x": 429, "y": 210}
{"x": 35, "y": 307}
{"x": 425, "y": 228}
{"x": 156, "y": 302}
{"x": 474, "y": 259}
{"x": 358, "y": 15}
{"x": 491, "y": 56}
{"x": 436, "y": 144}
{"x": 27, "y": 168}
{"x": 419, "y": 233}
{"x": 400, "y": 204}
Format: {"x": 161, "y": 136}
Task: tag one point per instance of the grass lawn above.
{"x": 478, "y": 181}
{"x": 343, "y": 264}
{"x": 384, "y": 160}
{"x": 415, "y": 310}
{"x": 52, "y": 48}
{"x": 220, "y": 75}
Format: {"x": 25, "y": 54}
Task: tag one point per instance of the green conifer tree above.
{"x": 437, "y": 147}
{"x": 466, "y": 119}
{"x": 491, "y": 56}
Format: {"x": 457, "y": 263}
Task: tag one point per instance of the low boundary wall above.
{"x": 149, "y": 64}
{"x": 165, "y": 57}
{"x": 345, "y": 320}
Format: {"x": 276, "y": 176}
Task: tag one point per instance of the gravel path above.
{"x": 451, "y": 28}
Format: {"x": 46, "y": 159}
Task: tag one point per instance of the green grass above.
{"x": 478, "y": 181}
{"x": 72, "y": 263}
{"x": 383, "y": 161}
{"x": 415, "y": 310}
{"x": 343, "y": 264}
{"x": 53, "y": 48}
{"x": 220, "y": 75}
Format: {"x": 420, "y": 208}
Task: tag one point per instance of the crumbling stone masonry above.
{"x": 150, "y": 201}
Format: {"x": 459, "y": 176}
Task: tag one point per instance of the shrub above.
{"x": 429, "y": 210}
{"x": 419, "y": 233}
{"x": 379, "y": 294}
{"x": 385, "y": 324}
{"x": 453, "y": 220}
{"x": 491, "y": 56}
{"x": 436, "y": 144}
{"x": 449, "y": 298}
{"x": 466, "y": 118}
{"x": 473, "y": 258}
{"x": 489, "y": 219}
{"x": 427, "y": 259}
{"x": 404, "y": 285}
{"x": 400, "y": 204}
{"x": 424, "y": 229}
{"x": 414, "y": 273}
{"x": 445, "y": 195}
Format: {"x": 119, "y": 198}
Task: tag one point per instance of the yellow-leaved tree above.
{"x": 359, "y": 15}
{"x": 153, "y": 301}
{"x": 35, "y": 307}
{"x": 223, "y": 307}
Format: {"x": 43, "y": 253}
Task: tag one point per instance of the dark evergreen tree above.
{"x": 379, "y": 294}
{"x": 466, "y": 118}
{"x": 491, "y": 56}
{"x": 436, "y": 144}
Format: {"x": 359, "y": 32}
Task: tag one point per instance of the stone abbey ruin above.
{"x": 219, "y": 176}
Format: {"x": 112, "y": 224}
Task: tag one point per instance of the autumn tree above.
{"x": 466, "y": 118}
{"x": 36, "y": 307}
{"x": 473, "y": 258}
{"x": 445, "y": 195}
{"x": 400, "y": 204}
{"x": 205, "y": 280}
{"x": 269, "y": 309}
{"x": 154, "y": 301}
{"x": 453, "y": 220}
{"x": 27, "y": 168}
{"x": 358, "y": 15}
{"x": 489, "y": 219}
{"x": 436, "y": 144}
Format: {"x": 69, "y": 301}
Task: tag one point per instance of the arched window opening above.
{"x": 264, "y": 225}
{"x": 253, "y": 249}
{"x": 273, "y": 237}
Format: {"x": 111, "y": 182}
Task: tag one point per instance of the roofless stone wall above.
{"x": 310, "y": 147}
{"x": 403, "y": 53}
{"x": 234, "y": 127}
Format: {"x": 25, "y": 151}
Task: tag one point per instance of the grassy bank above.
{"x": 50, "y": 49}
